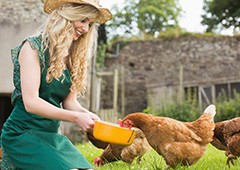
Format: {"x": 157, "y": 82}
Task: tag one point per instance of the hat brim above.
{"x": 104, "y": 13}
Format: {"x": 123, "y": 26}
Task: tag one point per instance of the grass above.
{"x": 213, "y": 159}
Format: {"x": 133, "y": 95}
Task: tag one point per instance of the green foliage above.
{"x": 157, "y": 15}
{"x": 186, "y": 111}
{"x": 221, "y": 13}
{"x": 172, "y": 32}
{"x": 189, "y": 110}
{"x": 101, "y": 53}
{"x": 145, "y": 17}
{"x": 227, "y": 108}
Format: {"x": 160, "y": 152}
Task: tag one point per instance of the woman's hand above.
{"x": 86, "y": 120}
{"x": 94, "y": 116}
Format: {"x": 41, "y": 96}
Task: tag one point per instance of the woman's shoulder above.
{"x": 35, "y": 41}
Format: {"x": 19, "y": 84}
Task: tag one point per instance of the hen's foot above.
{"x": 167, "y": 167}
{"x": 139, "y": 160}
{"x": 231, "y": 159}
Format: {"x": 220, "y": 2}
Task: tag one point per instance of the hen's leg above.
{"x": 233, "y": 149}
{"x": 139, "y": 159}
{"x": 231, "y": 159}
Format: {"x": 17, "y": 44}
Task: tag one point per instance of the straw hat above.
{"x": 104, "y": 13}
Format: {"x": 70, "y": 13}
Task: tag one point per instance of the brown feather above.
{"x": 227, "y": 137}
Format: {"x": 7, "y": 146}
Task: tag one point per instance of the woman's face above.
{"x": 81, "y": 27}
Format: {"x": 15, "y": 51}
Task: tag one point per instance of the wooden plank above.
{"x": 105, "y": 73}
{"x": 109, "y": 115}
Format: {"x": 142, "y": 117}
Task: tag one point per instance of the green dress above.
{"x": 32, "y": 142}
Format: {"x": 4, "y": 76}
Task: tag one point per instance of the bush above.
{"x": 189, "y": 110}
{"x": 186, "y": 111}
{"x": 227, "y": 108}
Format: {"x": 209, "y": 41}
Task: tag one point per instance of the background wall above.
{"x": 18, "y": 19}
{"x": 152, "y": 68}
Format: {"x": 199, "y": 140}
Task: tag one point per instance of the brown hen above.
{"x": 227, "y": 137}
{"x": 125, "y": 153}
{"x": 178, "y": 142}
{"x": 97, "y": 143}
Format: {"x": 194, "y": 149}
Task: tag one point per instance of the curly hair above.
{"x": 66, "y": 53}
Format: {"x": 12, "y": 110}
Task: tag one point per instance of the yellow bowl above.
{"x": 113, "y": 133}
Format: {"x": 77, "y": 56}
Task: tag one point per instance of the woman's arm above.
{"x": 71, "y": 103}
{"x": 30, "y": 74}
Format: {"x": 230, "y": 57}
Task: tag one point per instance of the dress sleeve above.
{"x": 35, "y": 43}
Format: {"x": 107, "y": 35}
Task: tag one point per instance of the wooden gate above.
{"x": 110, "y": 114}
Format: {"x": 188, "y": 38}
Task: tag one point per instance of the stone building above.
{"x": 156, "y": 72}
{"x": 18, "y": 19}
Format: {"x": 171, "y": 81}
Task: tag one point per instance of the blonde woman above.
{"x": 50, "y": 72}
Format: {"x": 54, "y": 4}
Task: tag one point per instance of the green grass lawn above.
{"x": 213, "y": 159}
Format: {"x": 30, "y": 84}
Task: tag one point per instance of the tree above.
{"x": 145, "y": 17}
{"x": 102, "y": 37}
{"x": 221, "y": 14}
{"x": 101, "y": 48}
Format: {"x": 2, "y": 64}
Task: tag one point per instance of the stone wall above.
{"x": 18, "y": 19}
{"x": 154, "y": 66}
{"x": 21, "y": 11}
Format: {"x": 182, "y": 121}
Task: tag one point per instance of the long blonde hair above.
{"x": 58, "y": 38}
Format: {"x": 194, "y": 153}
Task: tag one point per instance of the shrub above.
{"x": 227, "y": 108}
{"x": 186, "y": 111}
{"x": 189, "y": 110}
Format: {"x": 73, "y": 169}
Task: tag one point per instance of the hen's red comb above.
{"x": 96, "y": 161}
{"x": 120, "y": 122}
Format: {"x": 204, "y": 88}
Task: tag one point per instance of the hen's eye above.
{"x": 84, "y": 20}
{"x": 90, "y": 24}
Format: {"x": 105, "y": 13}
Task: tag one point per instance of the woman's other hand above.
{"x": 86, "y": 120}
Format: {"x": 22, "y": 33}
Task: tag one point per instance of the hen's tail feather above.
{"x": 211, "y": 110}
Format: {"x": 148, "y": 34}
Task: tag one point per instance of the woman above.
{"x": 49, "y": 74}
